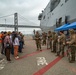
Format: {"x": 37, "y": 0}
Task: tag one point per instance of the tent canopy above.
{"x": 71, "y": 26}
{"x": 63, "y": 27}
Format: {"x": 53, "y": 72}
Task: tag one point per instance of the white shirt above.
{"x": 16, "y": 41}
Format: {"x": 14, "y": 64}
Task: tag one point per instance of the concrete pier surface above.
{"x": 33, "y": 62}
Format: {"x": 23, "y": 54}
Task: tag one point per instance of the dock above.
{"x": 33, "y": 62}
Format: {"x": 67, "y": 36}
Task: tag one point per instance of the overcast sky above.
{"x": 29, "y": 9}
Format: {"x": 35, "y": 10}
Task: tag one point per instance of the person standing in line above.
{"x": 3, "y": 37}
{"x": 38, "y": 41}
{"x": 7, "y": 46}
{"x": 16, "y": 45}
{"x": 20, "y": 42}
{"x": 44, "y": 38}
{"x": 1, "y": 43}
{"x": 22, "y": 37}
{"x": 12, "y": 48}
{"x": 54, "y": 39}
{"x": 62, "y": 40}
{"x": 49, "y": 39}
{"x": 52, "y": 42}
{"x": 72, "y": 44}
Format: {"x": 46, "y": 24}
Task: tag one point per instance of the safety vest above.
{"x": 0, "y": 38}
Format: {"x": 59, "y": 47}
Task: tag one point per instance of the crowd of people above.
{"x": 11, "y": 42}
{"x": 57, "y": 42}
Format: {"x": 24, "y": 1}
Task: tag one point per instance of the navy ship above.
{"x": 57, "y": 13}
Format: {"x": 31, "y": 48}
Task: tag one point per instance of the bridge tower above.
{"x": 16, "y": 22}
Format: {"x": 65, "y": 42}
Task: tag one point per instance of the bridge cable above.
{"x": 7, "y": 16}
{"x": 28, "y": 20}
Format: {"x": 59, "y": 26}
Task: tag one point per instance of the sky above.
{"x": 28, "y": 9}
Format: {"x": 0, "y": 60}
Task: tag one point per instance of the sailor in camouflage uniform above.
{"x": 44, "y": 38}
{"x": 61, "y": 41}
{"x": 38, "y": 41}
{"x": 54, "y": 39}
{"x": 72, "y": 44}
{"x": 49, "y": 37}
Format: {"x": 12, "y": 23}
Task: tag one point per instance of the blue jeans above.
{"x": 20, "y": 46}
{"x": 12, "y": 50}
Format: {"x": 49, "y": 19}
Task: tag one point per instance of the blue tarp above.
{"x": 63, "y": 27}
{"x": 71, "y": 26}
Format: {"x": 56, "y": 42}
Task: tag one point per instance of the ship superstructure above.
{"x": 57, "y": 13}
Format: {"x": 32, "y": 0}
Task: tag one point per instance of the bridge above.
{"x": 16, "y": 24}
{"x": 21, "y": 26}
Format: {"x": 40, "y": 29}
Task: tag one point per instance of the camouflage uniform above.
{"x": 49, "y": 36}
{"x": 72, "y": 44}
{"x": 44, "y": 38}
{"x": 54, "y": 38}
{"x": 62, "y": 40}
{"x": 38, "y": 41}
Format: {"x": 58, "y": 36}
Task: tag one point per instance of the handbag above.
{"x": 8, "y": 45}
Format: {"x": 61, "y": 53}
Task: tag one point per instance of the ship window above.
{"x": 40, "y": 16}
{"x": 54, "y": 4}
{"x": 66, "y": 0}
{"x": 60, "y": 21}
{"x": 66, "y": 19}
{"x": 56, "y": 23}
